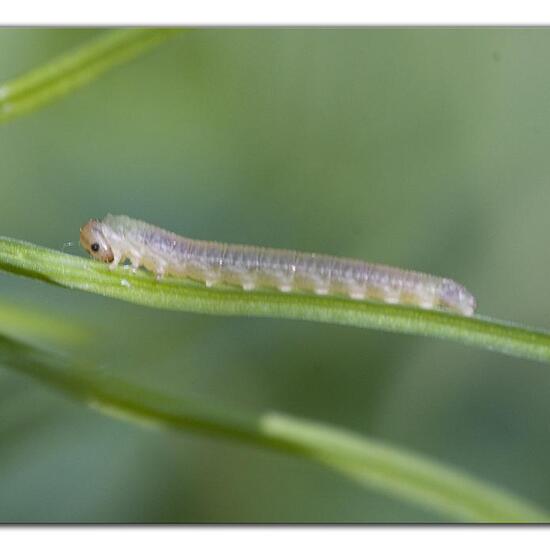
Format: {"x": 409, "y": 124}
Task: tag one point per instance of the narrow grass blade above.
{"x": 387, "y": 469}
{"x": 178, "y": 294}
{"x": 76, "y": 68}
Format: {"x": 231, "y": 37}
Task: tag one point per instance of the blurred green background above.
{"x": 420, "y": 148}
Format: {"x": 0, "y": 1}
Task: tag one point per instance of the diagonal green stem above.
{"x": 76, "y": 68}
{"x": 177, "y": 294}
{"x": 366, "y": 461}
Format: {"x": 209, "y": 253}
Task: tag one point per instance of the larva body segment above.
{"x": 117, "y": 238}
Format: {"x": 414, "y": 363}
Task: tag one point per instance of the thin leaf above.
{"x": 368, "y": 462}
{"x": 183, "y": 295}
{"x": 76, "y": 68}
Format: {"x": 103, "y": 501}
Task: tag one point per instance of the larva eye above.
{"x": 95, "y": 247}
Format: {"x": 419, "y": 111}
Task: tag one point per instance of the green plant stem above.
{"x": 76, "y": 68}
{"x": 388, "y": 469}
{"x": 183, "y": 295}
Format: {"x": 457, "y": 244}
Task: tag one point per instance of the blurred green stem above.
{"x": 184, "y": 295}
{"x": 76, "y": 68}
{"x": 365, "y": 461}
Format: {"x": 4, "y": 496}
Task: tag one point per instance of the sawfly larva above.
{"x": 117, "y": 238}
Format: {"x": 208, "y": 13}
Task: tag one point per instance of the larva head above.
{"x": 94, "y": 242}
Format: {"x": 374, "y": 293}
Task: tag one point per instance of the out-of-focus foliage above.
{"x": 70, "y": 71}
{"x": 419, "y": 148}
{"x": 368, "y": 462}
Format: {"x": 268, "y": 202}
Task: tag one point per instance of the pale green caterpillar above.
{"x": 116, "y": 238}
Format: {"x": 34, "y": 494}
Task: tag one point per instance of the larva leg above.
{"x": 135, "y": 260}
{"x": 322, "y": 290}
{"x": 116, "y": 260}
{"x": 391, "y": 297}
{"x": 357, "y": 293}
{"x": 425, "y": 300}
{"x": 284, "y": 285}
{"x": 248, "y": 284}
{"x": 159, "y": 270}
{"x": 210, "y": 281}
